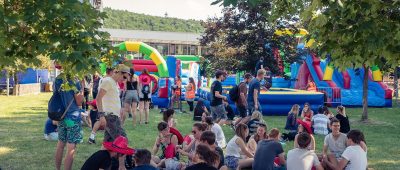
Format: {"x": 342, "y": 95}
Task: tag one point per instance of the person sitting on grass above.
{"x": 260, "y": 135}
{"x": 343, "y": 118}
{"x": 93, "y": 114}
{"x": 167, "y": 142}
{"x": 229, "y": 112}
{"x": 301, "y": 129}
{"x": 301, "y": 158}
{"x": 102, "y": 158}
{"x": 50, "y": 130}
{"x": 236, "y": 146}
{"x": 267, "y": 151}
{"x": 291, "y": 123}
{"x": 354, "y": 156}
{"x": 335, "y": 142}
{"x": 200, "y": 111}
{"x": 142, "y": 159}
{"x": 256, "y": 119}
{"x": 204, "y": 159}
{"x": 328, "y": 113}
{"x": 219, "y": 133}
{"x": 208, "y": 138}
{"x": 307, "y": 113}
{"x": 320, "y": 122}
{"x": 168, "y": 117}
{"x": 189, "y": 150}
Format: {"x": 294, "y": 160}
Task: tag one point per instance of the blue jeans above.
{"x": 251, "y": 108}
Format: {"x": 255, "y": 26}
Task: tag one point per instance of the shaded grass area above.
{"x": 22, "y": 123}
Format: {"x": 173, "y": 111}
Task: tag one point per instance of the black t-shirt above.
{"x": 344, "y": 123}
{"x": 201, "y": 166}
{"x": 266, "y": 152}
{"x": 100, "y": 159}
{"x": 216, "y": 86}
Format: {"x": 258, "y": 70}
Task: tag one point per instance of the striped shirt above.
{"x": 320, "y": 124}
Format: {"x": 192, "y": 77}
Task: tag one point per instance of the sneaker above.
{"x": 91, "y": 141}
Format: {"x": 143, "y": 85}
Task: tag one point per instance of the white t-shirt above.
{"x": 301, "y": 159}
{"x": 357, "y": 158}
{"x": 220, "y": 136}
{"x": 320, "y": 124}
{"x": 111, "y": 101}
{"x": 336, "y": 146}
{"x": 233, "y": 149}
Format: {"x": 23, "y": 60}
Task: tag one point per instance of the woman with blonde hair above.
{"x": 291, "y": 120}
{"x": 343, "y": 119}
{"x": 256, "y": 118}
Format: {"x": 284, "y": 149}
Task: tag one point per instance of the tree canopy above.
{"x": 123, "y": 19}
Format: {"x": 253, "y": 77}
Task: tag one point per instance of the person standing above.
{"x": 254, "y": 92}
{"x": 69, "y": 128}
{"x": 190, "y": 93}
{"x": 109, "y": 107}
{"x": 131, "y": 98}
{"x": 218, "y": 112}
{"x": 241, "y": 103}
{"x": 144, "y": 95}
{"x": 95, "y": 87}
{"x": 87, "y": 83}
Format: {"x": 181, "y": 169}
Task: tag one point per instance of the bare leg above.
{"x": 141, "y": 111}
{"x": 101, "y": 123}
{"x": 69, "y": 157}
{"x": 133, "y": 111}
{"x": 245, "y": 163}
{"x": 127, "y": 110}
{"x": 146, "y": 111}
{"x": 59, "y": 154}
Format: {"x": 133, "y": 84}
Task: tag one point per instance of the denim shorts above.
{"x": 131, "y": 96}
{"x": 70, "y": 129}
{"x": 218, "y": 112}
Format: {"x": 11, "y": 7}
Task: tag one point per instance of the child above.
{"x": 102, "y": 158}
{"x": 93, "y": 112}
{"x": 50, "y": 130}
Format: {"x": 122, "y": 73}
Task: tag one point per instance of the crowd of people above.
{"x": 253, "y": 145}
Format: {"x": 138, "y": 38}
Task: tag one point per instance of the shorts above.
{"x": 218, "y": 112}
{"x": 242, "y": 111}
{"x": 113, "y": 128}
{"x": 251, "y": 109}
{"x": 231, "y": 162}
{"x": 70, "y": 130}
{"x": 131, "y": 96}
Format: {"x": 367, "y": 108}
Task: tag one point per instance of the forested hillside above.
{"x": 122, "y": 19}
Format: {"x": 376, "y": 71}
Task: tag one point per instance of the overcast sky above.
{"x": 185, "y": 9}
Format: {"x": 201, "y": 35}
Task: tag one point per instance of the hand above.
{"x": 256, "y": 107}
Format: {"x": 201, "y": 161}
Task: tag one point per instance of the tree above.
{"x": 242, "y": 35}
{"x": 66, "y": 31}
{"x": 355, "y": 33}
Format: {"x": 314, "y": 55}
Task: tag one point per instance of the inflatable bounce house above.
{"x": 332, "y": 87}
{"x": 163, "y": 70}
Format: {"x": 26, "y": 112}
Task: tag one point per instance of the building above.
{"x": 167, "y": 43}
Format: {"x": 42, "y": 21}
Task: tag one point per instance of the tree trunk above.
{"x": 396, "y": 83}
{"x": 365, "y": 94}
{"x": 8, "y": 83}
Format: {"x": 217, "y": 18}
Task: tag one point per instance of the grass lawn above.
{"x": 22, "y": 145}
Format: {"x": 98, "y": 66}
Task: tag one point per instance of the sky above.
{"x": 185, "y": 9}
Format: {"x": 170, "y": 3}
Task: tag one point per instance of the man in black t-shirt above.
{"x": 208, "y": 138}
{"x": 218, "y": 112}
{"x": 102, "y": 158}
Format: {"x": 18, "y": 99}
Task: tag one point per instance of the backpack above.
{"x": 234, "y": 92}
{"x": 146, "y": 89}
{"x": 56, "y": 109}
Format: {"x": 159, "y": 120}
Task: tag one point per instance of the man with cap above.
{"x": 109, "y": 107}
{"x": 218, "y": 112}
{"x": 102, "y": 158}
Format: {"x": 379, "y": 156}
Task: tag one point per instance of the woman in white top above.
{"x": 236, "y": 146}
{"x": 217, "y": 130}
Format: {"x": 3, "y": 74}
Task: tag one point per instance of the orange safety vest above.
{"x": 191, "y": 93}
{"x": 311, "y": 87}
{"x": 178, "y": 90}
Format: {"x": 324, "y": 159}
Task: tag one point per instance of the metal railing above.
{"x": 332, "y": 95}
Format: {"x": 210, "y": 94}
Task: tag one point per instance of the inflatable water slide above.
{"x": 346, "y": 85}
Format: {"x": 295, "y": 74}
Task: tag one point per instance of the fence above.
{"x": 332, "y": 95}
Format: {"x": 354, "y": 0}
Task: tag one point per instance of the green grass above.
{"x": 22, "y": 145}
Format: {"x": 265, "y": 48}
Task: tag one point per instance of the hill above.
{"x": 122, "y": 19}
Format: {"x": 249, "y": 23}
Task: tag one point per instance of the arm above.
{"x": 156, "y": 146}
{"x": 312, "y": 142}
{"x": 255, "y": 98}
{"x": 363, "y": 146}
{"x": 174, "y": 140}
{"x": 325, "y": 150}
{"x": 243, "y": 147}
{"x": 342, "y": 163}
{"x": 78, "y": 98}
{"x": 252, "y": 145}
{"x": 282, "y": 158}
{"x": 296, "y": 145}
{"x": 99, "y": 98}
{"x": 219, "y": 95}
